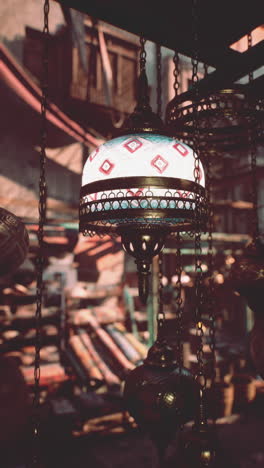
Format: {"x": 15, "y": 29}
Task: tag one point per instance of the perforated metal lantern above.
{"x": 223, "y": 118}
{"x": 160, "y": 394}
{"x": 143, "y": 186}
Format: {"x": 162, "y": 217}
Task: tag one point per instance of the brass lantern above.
{"x": 143, "y": 186}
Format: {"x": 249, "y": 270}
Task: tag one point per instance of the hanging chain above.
{"x": 205, "y": 69}
{"x": 42, "y": 220}
{"x": 161, "y": 314}
{"x": 176, "y": 73}
{"x": 211, "y": 288}
{"x": 179, "y": 303}
{"x": 249, "y": 39}
{"x": 159, "y": 79}
{"x": 143, "y": 55}
{"x": 253, "y": 157}
{"x": 201, "y": 377}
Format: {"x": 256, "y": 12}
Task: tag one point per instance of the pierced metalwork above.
{"x": 227, "y": 110}
{"x": 173, "y": 211}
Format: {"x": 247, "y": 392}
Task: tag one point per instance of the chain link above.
{"x": 253, "y": 157}
{"x": 42, "y": 219}
{"x": 199, "y": 293}
{"x": 143, "y": 55}
{"x": 176, "y": 73}
{"x": 211, "y": 288}
{"x": 159, "y": 80}
{"x": 161, "y": 315}
{"x": 179, "y": 303}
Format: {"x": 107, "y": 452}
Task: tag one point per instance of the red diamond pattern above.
{"x": 159, "y": 163}
{"x": 133, "y": 145}
{"x": 181, "y": 149}
{"x": 106, "y": 167}
{"x": 92, "y": 155}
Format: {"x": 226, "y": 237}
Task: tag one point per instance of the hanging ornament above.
{"x": 142, "y": 186}
{"x": 161, "y": 394}
{"x": 14, "y": 242}
{"x": 198, "y": 447}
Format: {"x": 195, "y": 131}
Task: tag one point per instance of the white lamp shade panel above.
{"x": 141, "y": 155}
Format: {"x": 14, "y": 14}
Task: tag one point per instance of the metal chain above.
{"x": 179, "y": 303}
{"x": 253, "y": 157}
{"x": 249, "y": 40}
{"x": 143, "y": 55}
{"x": 176, "y": 73}
{"x": 159, "y": 79}
{"x": 161, "y": 314}
{"x": 211, "y": 288}
{"x": 200, "y": 376}
{"x": 42, "y": 219}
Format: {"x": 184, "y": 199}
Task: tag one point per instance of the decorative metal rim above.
{"x": 165, "y": 219}
{"x": 175, "y": 210}
{"x": 153, "y": 182}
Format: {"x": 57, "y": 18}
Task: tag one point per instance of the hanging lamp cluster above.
{"x": 142, "y": 186}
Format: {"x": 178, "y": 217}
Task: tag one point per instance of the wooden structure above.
{"x": 99, "y": 93}
{"x": 220, "y": 24}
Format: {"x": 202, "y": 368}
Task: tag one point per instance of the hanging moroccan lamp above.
{"x": 142, "y": 186}
{"x": 161, "y": 394}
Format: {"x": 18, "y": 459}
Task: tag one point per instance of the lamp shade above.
{"x": 140, "y": 179}
{"x": 142, "y": 186}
